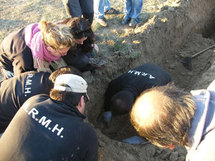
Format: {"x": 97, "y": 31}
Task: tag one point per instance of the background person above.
{"x": 84, "y": 44}
{"x": 132, "y": 10}
{"x": 51, "y": 127}
{"x": 79, "y": 8}
{"x": 16, "y": 90}
{"x": 169, "y": 116}
{"x": 102, "y": 7}
{"x": 35, "y": 47}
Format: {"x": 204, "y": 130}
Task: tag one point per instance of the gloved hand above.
{"x": 107, "y": 115}
{"x": 96, "y": 48}
{"x": 7, "y": 73}
{"x": 135, "y": 140}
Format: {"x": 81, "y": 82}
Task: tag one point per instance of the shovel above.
{"x": 186, "y": 61}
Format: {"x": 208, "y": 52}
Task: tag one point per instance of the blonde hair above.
{"x": 57, "y": 36}
{"x": 165, "y": 118}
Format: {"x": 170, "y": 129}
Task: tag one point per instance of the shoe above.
{"x": 112, "y": 11}
{"x": 102, "y": 22}
{"x": 133, "y": 23}
{"x": 125, "y": 21}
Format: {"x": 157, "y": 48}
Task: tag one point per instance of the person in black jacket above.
{"x": 122, "y": 91}
{"x": 16, "y": 90}
{"x": 44, "y": 47}
{"x": 51, "y": 127}
{"x": 84, "y": 48}
{"x": 36, "y": 46}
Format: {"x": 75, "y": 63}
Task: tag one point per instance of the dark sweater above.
{"x": 16, "y": 90}
{"x": 15, "y": 55}
{"x": 48, "y": 130}
{"x": 136, "y": 81}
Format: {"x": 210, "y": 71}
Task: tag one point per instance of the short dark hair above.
{"x": 67, "y": 97}
{"x": 166, "y": 118}
{"x": 80, "y": 27}
{"x": 64, "y": 70}
{"x": 122, "y": 102}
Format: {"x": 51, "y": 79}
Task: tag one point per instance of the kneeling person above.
{"x": 16, "y": 90}
{"x": 122, "y": 91}
{"x": 51, "y": 127}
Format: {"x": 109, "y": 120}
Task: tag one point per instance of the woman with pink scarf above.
{"x": 38, "y": 46}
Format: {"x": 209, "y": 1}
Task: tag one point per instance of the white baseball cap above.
{"x": 71, "y": 83}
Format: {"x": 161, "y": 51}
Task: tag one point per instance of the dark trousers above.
{"x": 77, "y": 8}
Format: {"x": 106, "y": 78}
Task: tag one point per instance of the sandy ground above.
{"x": 169, "y": 30}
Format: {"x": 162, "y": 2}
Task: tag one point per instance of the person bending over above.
{"x": 123, "y": 91}
{"x": 83, "y": 48}
{"x": 16, "y": 90}
{"x": 37, "y": 46}
{"x": 168, "y": 116}
{"x": 51, "y": 127}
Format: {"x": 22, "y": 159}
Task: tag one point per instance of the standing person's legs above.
{"x": 106, "y": 5}
{"x": 136, "y": 9}
{"x": 108, "y": 9}
{"x": 87, "y": 9}
{"x": 99, "y": 12}
{"x": 72, "y": 8}
{"x": 127, "y": 12}
{"x": 135, "y": 13}
{"x": 99, "y": 9}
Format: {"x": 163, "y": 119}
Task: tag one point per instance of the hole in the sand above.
{"x": 120, "y": 127}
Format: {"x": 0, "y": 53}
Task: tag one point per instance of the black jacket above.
{"x": 44, "y": 130}
{"x": 136, "y": 81}
{"x": 16, "y": 90}
{"x": 15, "y": 54}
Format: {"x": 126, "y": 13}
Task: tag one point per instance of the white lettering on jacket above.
{"x": 44, "y": 121}
{"x": 28, "y": 84}
{"x": 139, "y": 73}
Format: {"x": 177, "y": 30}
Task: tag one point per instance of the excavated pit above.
{"x": 165, "y": 39}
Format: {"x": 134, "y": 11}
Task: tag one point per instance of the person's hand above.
{"x": 96, "y": 48}
{"x": 107, "y": 115}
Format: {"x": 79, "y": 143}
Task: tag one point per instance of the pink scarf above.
{"x": 33, "y": 39}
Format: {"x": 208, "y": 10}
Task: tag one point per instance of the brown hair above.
{"x": 66, "y": 97}
{"x": 164, "y": 118}
{"x": 64, "y": 70}
{"x": 57, "y": 36}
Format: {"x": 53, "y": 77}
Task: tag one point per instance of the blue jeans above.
{"x": 133, "y": 8}
{"x": 100, "y": 6}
